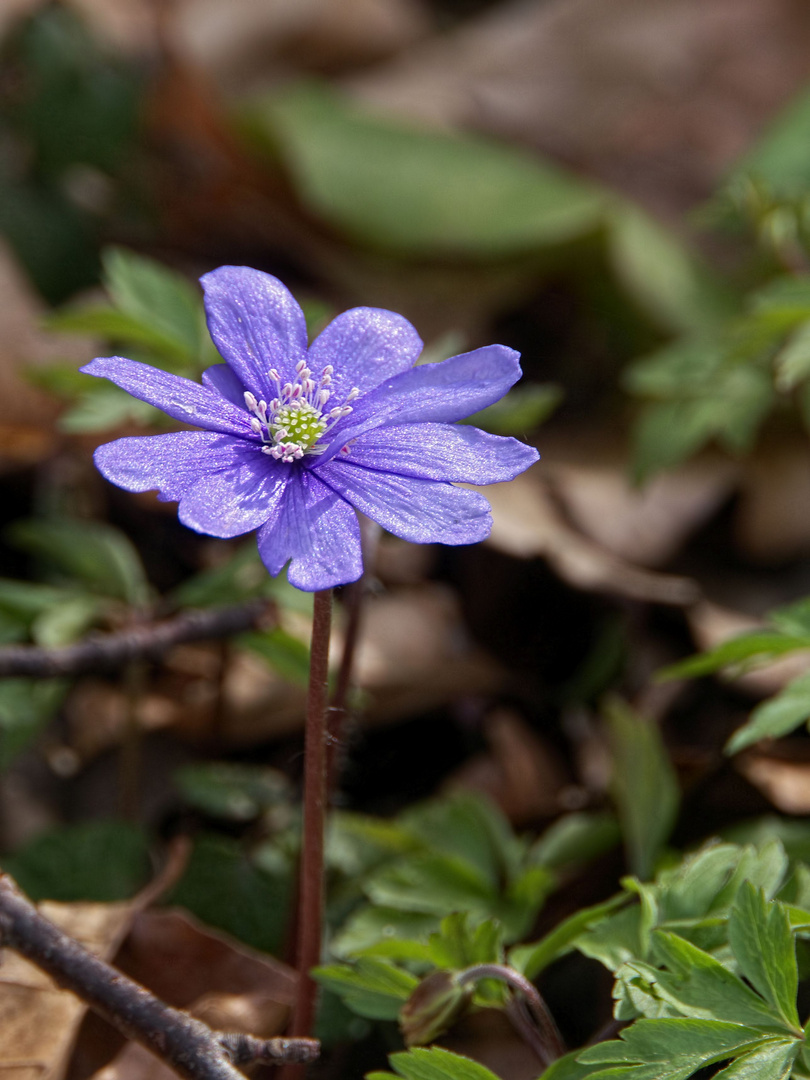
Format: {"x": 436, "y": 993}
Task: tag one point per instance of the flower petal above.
{"x": 222, "y": 380}
{"x": 425, "y": 511}
{"x": 256, "y": 324}
{"x": 365, "y": 346}
{"x": 237, "y": 499}
{"x": 171, "y": 463}
{"x": 442, "y": 452}
{"x": 445, "y": 392}
{"x": 181, "y": 398}
{"x": 316, "y": 529}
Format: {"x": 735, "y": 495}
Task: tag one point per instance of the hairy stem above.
{"x": 187, "y": 1045}
{"x": 310, "y": 908}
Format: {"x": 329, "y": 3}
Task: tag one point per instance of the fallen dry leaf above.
{"x": 217, "y": 979}
{"x": 528, "y": 523}
{"x": 772, "y": 522}
{"x": 785, "y": 781}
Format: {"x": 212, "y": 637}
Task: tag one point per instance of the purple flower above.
{"x": 295, "y": 439}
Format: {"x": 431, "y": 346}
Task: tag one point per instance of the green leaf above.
{"x": 27, "y": 599}
{"x": 417, "y": 191}
{"x": 433, "y": 1063}
{"x": 456, "y": 945}
{"x": 433, "y": 884}
{"x": 644, "y": 786}
{"x": 241, "y": 577}
{"x": 698, "y": 985}
{"x": 757, "y": 647}
{"x": 781, "y": 157}
{"x": 568, "y": 1068}
{"x": 792, "y": 364}
{"x": 762, "y": 941}
{"x": 224, "y": 887}
{"x": 231, "y": 791}
{"x": 154, "y": 296}
{"x": 793, "y": 619}
{"x": 776, "y": 717}
{"x": 27, "y": 706}
{"x": 113, "y": 324}
{"x": 96, "y": 554}
{"x": 576, "y": 838}
{"x": 520, "y": 412}
{"x": 288, "y": 655}
{"x": 98, "y": 860}
{"x": 106, "y": 407}
{"x": 532, "y": 959}
{"x": 659, "y": 272}
{"x": 772, "y": 1060}
{"x": 370, "y": 987}
{"x": 385, "y": 932}
{"x": 66, "y": 621}
{"x": 676, "y": 1048}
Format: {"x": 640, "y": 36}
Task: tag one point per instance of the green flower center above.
{"x": 298, "y": 423}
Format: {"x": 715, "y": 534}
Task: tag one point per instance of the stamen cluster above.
{"x": 292, "y": 423}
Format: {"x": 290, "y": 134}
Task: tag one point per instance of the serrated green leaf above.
{"x": 676, "y": 1047}
{"x": 762, "y": 941}
{"x": 616, "y": 940}
{"x": 644, "y": 786}
{"x": 417, "y": 191}
{"x": 567, "y": 1068}
{"x": 433, "y": 1063}
{"x": 792, "y": 363}
{"x": 700, "y": 986}
{"x": 96, "y": 554}
{"x": 372, "y": 926}
{"x": 778, "y": 716}
{"x": 433, "y": 884}
{"x": 370, "y": 987}
{"x": 772, "y": 1060}
{"x": 532, "y": 959}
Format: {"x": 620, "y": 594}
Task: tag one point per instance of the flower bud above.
{"x": 433, "y": 1006}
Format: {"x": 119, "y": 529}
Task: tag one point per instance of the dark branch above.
{"x": 148, "y": 641}
{"x": 187, "y": 1045}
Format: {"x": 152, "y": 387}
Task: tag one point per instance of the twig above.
{"x": 146, "y": 642}
{"x": 310, "y": 908}
{"x": 528, "y": 1013}
{"x": 186, "y": 1044}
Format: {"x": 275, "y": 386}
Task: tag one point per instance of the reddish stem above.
{"x": 310, "y": 910}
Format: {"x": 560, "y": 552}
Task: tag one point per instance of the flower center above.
{"x": 292, "y": 423}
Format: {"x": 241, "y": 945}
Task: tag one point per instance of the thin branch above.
{"x": 148, "y": 641}
{"x": 186, "y": 1044}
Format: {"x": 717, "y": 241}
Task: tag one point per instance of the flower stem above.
{"x": 310, "y": 912}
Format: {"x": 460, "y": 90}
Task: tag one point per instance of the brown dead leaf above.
{"x": 528, "y": 523}
{"x": 773, "y": 518}
{"x": 712, "y": 624}
{"x": 218, "y": 980}
{"x": 783, "y": 778}
{"x": 39, "y": 1022}
{"x": 644, "y": 526}
{"x": 655, "y": 97}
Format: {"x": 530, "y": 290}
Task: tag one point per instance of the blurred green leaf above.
{"x": 777, "y": 716}
{"x": 575, "y": 838}
{"x": 521, "y": 412}
{"x": 240, "y": 577}
{"x": 225, "y": 888}
{"x": 232, "y": 791}
{"x": 781, "y": 157}
{"x": 97, "y": 860}
{"x": 287, "y": 655}
{"x": 756, "y": 646}
{"x": 644, "y": 786}
{"x": 416, "y": 191}
{"x": 66, "y": 621}
{"x": 662, "y": 275}
{"x": 91, "y": 552}
{"x": 27, "y": 706}
{"x": 534, "y": 958}
{"x": 105, "y": 408}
